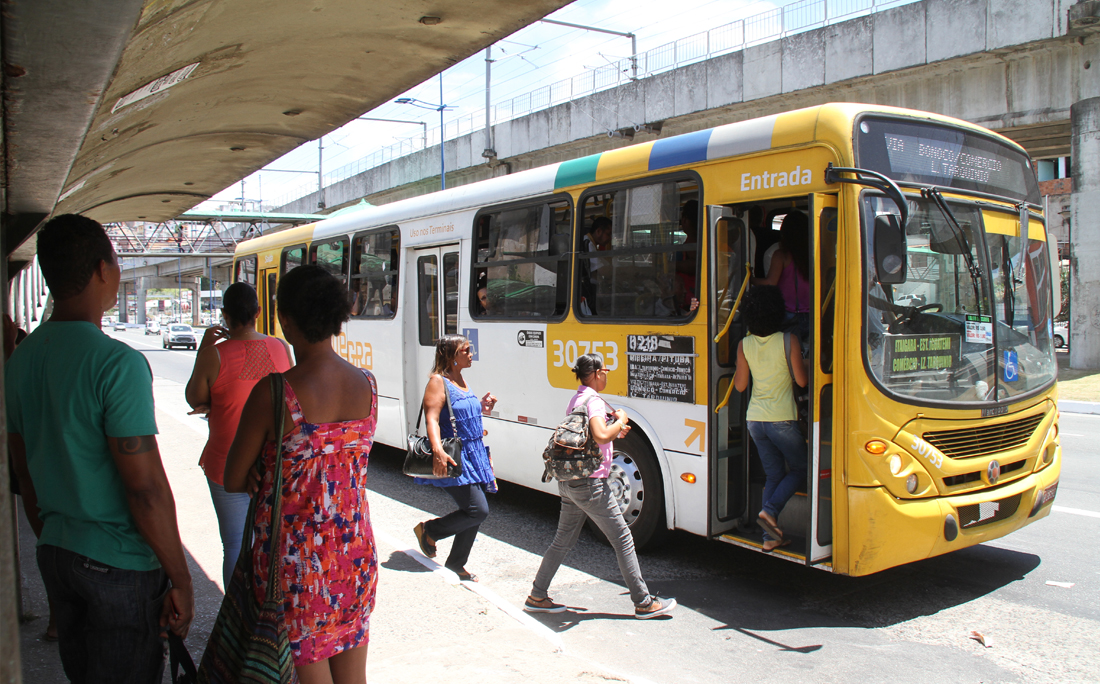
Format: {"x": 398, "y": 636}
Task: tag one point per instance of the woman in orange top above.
{"x": 223, "y": 377}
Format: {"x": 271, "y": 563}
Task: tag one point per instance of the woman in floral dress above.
{"x": 324, "y": 540}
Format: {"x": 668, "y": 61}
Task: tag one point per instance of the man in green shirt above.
{"x": 82, "y": 436}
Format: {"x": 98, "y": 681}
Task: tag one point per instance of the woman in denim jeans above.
{"x": 772, "y": 414}
{"x": 592, "y": 498}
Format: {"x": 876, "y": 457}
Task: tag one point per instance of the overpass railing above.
{"x": 774, "y": 24}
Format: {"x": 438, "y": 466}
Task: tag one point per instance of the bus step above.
{"x": 794, "y": 552}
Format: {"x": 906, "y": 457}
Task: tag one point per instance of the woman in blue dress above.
{"x": 453, "y": 354}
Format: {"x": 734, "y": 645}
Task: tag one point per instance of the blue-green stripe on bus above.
{"x": 577, "y": 171}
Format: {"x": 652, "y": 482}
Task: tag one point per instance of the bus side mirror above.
{"x": 891, "y": 250}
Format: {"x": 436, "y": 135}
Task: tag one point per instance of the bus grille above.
{"x": 979, "y": 514}
{"x": 981, "y": 441}
{"x": 954, "y": 480}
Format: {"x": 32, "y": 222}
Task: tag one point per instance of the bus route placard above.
{"x": 916, "y": 353}
{"x": 661, "y": 367}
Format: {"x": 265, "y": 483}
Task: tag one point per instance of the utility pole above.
{"x": 321, "y": 172}
{"x": 489, "y": 152}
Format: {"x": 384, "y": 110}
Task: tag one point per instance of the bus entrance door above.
{"x": 823, "y": 231}
{"x": 433, "y": 277}
{"x": 728, "y": 247}
{"x": 269, "y": 281}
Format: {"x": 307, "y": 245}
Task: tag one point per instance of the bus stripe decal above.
{"x": 625, "y": 161}
{"x": 743, "y": 137}
{"x": 577, "y": 171}
{"x": 682, "y": 149}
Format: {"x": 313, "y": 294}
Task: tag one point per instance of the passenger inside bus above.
{"x": 789, "y": 269}
{"x": 597, "y": 239}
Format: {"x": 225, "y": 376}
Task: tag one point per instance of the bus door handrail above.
{"x": 736, "y": 303}
{"x": 733, "y": 312}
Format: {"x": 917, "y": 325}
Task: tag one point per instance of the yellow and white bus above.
{"x": 931, "y": 415}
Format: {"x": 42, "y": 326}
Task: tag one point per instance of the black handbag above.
{"x": 419, "y": 457}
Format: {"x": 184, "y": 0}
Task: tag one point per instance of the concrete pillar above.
{"x": 1084, "y": 293}
{"x": 139, "y": 297}
{"x": 195, "y": 304}
{"x": 123, "y": 310}
{"x": 10, "y": 611}
{"x": 17, "y": 300}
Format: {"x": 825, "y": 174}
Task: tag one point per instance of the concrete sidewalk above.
{"x": 426, "y": 625}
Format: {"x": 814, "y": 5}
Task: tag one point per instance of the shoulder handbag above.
{"x": 419, "y": 457}
{"x": 249, "y": 641}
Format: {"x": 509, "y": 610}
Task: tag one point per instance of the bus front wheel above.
{"x": 635, "y": 481}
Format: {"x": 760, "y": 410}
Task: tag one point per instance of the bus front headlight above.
{"x": 911, "y": 483}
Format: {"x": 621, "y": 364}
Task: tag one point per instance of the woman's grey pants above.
{"x": 591, "y": 498}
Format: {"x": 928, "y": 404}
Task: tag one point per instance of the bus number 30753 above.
{"x": 567, "y": 351}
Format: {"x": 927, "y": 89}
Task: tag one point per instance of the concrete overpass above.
{"x": 1028, "y": 68}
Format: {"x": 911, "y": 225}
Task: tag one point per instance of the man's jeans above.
{"x": 782, "y": 452}
{"x": 108, "y": 620}
{"x": 591, "y": 497}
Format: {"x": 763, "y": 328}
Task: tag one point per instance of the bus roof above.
{"x": 829, "y": 123}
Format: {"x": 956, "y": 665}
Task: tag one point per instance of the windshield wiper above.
{"x": 933, "y": 193}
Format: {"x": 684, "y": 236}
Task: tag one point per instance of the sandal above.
{"x": 778, "y": 544}
{"x": 427, "y": 546}
{"x": 769, "y": 527}
{"x": 464, "y": 574}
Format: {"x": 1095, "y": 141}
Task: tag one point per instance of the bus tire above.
{"x": 636, "y": 482}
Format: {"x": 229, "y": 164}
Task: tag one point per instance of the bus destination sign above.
{"x": 916, "y": 353}
{"x": 661, "y": 367}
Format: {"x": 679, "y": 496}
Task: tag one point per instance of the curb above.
{"x": 1090, "y": 407}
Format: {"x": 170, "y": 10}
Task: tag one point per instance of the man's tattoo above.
{"x": 130, "y": 446}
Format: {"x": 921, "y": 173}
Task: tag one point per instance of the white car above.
{"x": 120, "y": 326}
{"x": 178, "y": 335}
{"x": 1061, "y": 335}
{"x": 152, "y": 328}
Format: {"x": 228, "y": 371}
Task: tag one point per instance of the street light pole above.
{"x": 439, "y": 108}
{"x": 442, "y": 152}
{"x": 633, "y": 41}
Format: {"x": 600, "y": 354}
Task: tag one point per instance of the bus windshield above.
{"x": 950, "y": 333}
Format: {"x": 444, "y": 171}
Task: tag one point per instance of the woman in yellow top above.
{"x": 772, "y": 414}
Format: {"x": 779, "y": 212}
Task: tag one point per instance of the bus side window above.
{"x": 293, "y": 257}
{"x": 374, "y": 274}
{"x": 246, "y": 271}
{"x": 521, "y": 262}
{"x": 331, "y": 256}
{"x": 638, "y": 252}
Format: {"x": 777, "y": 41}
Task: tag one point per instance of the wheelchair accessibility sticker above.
{"x": 1012, "y": 366}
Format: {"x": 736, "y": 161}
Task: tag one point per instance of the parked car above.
{"x": 120, "y": 326}
{"x": 178, "y": 335}
{"x": 152, "y": 328}
{"x": 1061, "y": 335}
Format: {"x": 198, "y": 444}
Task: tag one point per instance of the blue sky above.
{"x": 535, "y": 56}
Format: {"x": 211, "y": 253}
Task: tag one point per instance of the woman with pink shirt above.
{"x": 592, "y": 498}
{"x": 230, "y": 361}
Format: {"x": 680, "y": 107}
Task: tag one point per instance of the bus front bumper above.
{"x": 886, "y": 531}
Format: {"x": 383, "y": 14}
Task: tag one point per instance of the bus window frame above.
{"x": 700, "y": 228}
{"x": 473, "y": 303}
{"x": 290, "y": 248}
{"x": 396, "y": 265}
{"x": 254, "y": 258}
{"x": 994, "y": 406}
{"x": 311, "y": 253}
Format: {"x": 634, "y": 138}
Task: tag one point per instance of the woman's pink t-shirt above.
{"x": 596, "y": 407}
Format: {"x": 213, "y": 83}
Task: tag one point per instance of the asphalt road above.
{"x": 750, "y": 617}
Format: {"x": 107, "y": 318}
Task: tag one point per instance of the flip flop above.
{"x": 771, "y": 529}
{"x": 465, "y": 575}
{"x": 781, "y": 544}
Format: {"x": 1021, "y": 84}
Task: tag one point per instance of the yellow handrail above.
{"x": 725, "y": 329}
{"x": 828, "y": 295}
{"x": 736, "y": 303}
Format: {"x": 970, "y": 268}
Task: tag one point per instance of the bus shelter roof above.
{"x": 138, "y": 110}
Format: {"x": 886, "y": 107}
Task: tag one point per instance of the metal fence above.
{"x": 760, "y": 28}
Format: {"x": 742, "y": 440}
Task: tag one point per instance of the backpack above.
{"x": 572, "y": 453}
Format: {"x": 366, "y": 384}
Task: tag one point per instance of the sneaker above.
{"x": 542, "y": 606}
{"x": 655, "y": 607}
